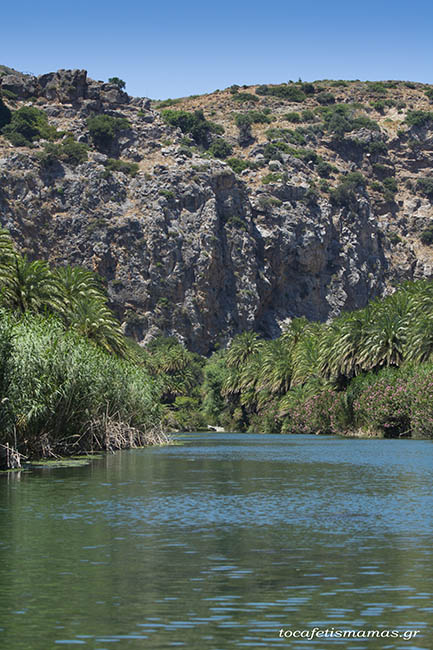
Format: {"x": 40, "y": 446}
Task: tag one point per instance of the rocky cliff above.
{"x": 298, "y": 199}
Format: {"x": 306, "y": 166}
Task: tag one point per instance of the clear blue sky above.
{"x": 174, "y": 48}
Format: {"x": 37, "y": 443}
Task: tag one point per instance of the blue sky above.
{"x": 170, "y": 49}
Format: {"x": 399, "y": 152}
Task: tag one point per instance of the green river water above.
{"x": 220, "y": 543}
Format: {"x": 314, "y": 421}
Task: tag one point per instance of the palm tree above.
{"x": 419, "y": 340}
{"x": 385, "y": 336}
{"x": 7, "y": 251}
{"x": 173, "y": 359}
{"x": 275, "y": 371}
{"x": 243, "y": 346}
{"x": 295, "y": 331}
{"x": 341, "y": 344}
{"x": 94, "y": 320}
{"x": 29, "y": 286}
{"x": 77, "y": 284}
{"x": 306, "y": 357}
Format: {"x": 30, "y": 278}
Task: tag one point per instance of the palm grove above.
{"x": 369, "y": 370}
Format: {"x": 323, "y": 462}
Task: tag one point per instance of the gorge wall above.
{"x": 194, "y": 243}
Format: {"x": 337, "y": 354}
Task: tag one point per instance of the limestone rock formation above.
{"x": 190, "y": 248}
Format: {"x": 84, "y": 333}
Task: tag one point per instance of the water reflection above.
{"x": 219, "y": 544}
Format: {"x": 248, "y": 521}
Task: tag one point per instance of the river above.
{"x": 219, "y": 543}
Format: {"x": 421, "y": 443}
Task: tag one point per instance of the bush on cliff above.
{"x": 425, "y": 186}
{"x": 116, "y": 81}
{"x": 117, "y": 165}
{"x": 68, "y": 151}
{"x": 345, "y": 193}
{"x": 220, "y": 148}
{"x": 420, "y": 118}
{"x": 104, "y": 129}
{"x": 27, "y": 125}
{"x": 198, "y": 127}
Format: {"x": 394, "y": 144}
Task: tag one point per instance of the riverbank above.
{"x": 118, "y": 436}
{"x": 62, "y": 395}
{"x": 124, "y": 438}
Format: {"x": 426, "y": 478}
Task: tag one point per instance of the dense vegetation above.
{"x": 69, "y": 380}
{"x": 370, "y": 369}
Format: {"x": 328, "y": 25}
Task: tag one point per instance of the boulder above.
{"x": 23, "y": 86}
{"x": 65, "y": 86}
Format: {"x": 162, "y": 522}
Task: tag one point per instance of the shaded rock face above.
{"x": 64, "y": 85}
{"x": 189, "y": 248}
{"x": 23, "y": 86}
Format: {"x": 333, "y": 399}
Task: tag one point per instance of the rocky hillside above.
{"x": 214, "y": 214}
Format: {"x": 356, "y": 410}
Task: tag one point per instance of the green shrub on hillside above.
{"x": 339, "y": 83}
{"x": 344, "y": 194}
{"x": 376, "y": 87}
{"x": 286, "y": 135}
{"x": 220, "y": 148}
{"x": 115, "y": 81}
{"x": 68, "y": 151}
{"x": 117, "y": 165}
{"x": 378, "y": 105}
{"x": 325, "y": 98}
{"x": 308, "y": 116}
{"x": 293, "y": 117}
{"x": 308, "y": 88}
{"x": 238, "y": 164}
{"x": 245, "y": 98}
{"x": 198, "y": 127}
{"x": 427, "y": 236}
{"x": 290, "y": 92}
{"x": 377, "y": 148}
{"x": 425, "y": 186}
{"x": 390, "y": 184}
{"x": 273, "y": 150}
{"x": 104, "y": 129}
{"x": 165, "y": 103}
{"x": 272, "y": 177}
{"x": 343, "y": 118}
{"x": 252, "y": 117}
{"x": 27, "y": 125}
{"x": 388, "y": 188}
{"x": 420, "y": 118}
{"x": 324, "y": 169}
